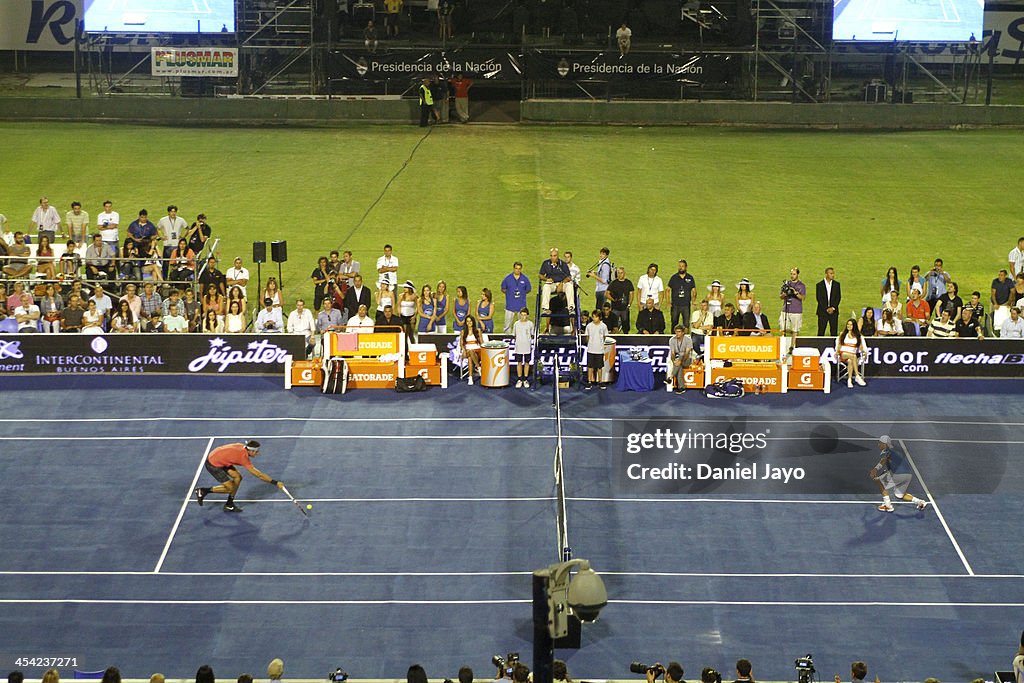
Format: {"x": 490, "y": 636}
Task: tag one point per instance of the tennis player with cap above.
{"x": 221, "y": 465}
{"x": 888, "y": 481}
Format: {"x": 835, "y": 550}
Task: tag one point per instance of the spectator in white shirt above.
{"x": 46, "y": 219}
{"x": 170, "y": 229}
{"x": 360, "y": 321}
{"x": 269, "y": 319}
{"x": 237, "y": 275}
{"x": 300, "y": 321}
{"x": 107, "y": 222}
{"x": 574, "y": 270}
{"x": 1013, "y": 327}
{"x": 27, "y": 315}
{"x": 387, "y": 268}
{"x": 650, "y": 286}
{"x": 1017, "y": 258}
{"x": 175, "y": 321}
{"x": 103, "y": 302}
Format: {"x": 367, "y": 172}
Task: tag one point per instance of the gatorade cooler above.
{"x": 494, "y": 370}
{"x": 607, "y": 375}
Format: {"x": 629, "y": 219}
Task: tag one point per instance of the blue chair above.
{"x": 88, "y": 675}
{"x": 8, "y": 326}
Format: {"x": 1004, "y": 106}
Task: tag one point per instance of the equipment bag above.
{"x": 405, "y": 385}
{"x": 724, "y": 388}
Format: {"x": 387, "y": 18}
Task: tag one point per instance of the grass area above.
{"x": 473, "y": 199}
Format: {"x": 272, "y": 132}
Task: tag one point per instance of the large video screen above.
{"x": 159, "y": 16}
{"x": 932, "y": 21}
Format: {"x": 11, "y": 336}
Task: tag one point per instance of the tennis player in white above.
{"x": 889, "y": 482}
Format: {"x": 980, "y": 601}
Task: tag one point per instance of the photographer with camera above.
{"x": 673, "y": 673}
{"x": 710, "y": 675}
{"x": 792, "y": 294}
{"x": 511, "y": 668}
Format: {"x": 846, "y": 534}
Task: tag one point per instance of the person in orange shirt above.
{"x": 461, "y": 87}
{"x": 221, "y": 464}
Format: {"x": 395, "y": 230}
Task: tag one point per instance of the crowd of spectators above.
{"x": 518, "y": 672}
{"x": 69, "y": 291}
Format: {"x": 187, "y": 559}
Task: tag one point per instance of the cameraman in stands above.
{"x": 792, "y": 294}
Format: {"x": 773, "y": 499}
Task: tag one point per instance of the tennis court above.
{"x": 430, "y": 511}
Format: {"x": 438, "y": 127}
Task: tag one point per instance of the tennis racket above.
{"x": 296, "y": 503}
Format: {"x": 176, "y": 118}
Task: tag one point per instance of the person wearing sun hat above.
{"x": 715, "y": 297}
{"x": 744, "y": 296}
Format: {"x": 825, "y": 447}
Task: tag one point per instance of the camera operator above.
{"x": 520, "y": 673}
{"x": 673, "y": 672}
{"x": 792, "y": 294}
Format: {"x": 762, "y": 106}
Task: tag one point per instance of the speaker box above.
{"x": 259, "y": 252}
{"x": 279, "y": 251}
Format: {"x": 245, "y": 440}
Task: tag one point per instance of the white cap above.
{"x": 885, "y": 439}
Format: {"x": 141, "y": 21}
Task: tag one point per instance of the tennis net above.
{"x": 563, "y": 548}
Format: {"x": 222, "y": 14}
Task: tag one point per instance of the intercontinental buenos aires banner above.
{"x": 133, "y": 354}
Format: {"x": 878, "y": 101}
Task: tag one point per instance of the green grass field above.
{"x": 473, "y": 199}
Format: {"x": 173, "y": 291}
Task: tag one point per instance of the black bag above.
{"x": 405, "y": 385}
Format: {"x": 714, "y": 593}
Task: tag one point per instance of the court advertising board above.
{"x": 913, "y": 357}
{"x": 745, "y": 348}
{"x": 195, "y": 61}
{"x": 133, "y": 354}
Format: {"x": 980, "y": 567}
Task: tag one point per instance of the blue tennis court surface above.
{"x": 431, "y": 511}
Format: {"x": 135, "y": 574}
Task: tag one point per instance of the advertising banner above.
{"x": 195, "y": 61}
{"x": 695, "y": 69}
{"x": 913, "y": 357}
{"x": 134, "y": 354}
{"x": 921, "y": 357}
{"x": 746, "y": 348}
{"x": 474, "y": 63}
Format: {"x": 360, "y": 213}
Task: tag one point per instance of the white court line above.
{"x": 296, "y": 419}
{"x": 200, "y": 603}
{"x": 585, "y": 499}
{"x": 184, "y": 504}
{"x": 498, "y": 601}
{"x": 938, "y": 512}
{"x": 667, "y": 418}
{"x": 813, "y": 603}
{"x": 356, "y": 574}
{"x": 465, "y": 437}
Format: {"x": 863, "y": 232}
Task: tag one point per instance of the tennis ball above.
{"x": 309, "y": 507}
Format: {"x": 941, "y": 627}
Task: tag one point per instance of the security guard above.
{"x": 426, "y": 103}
